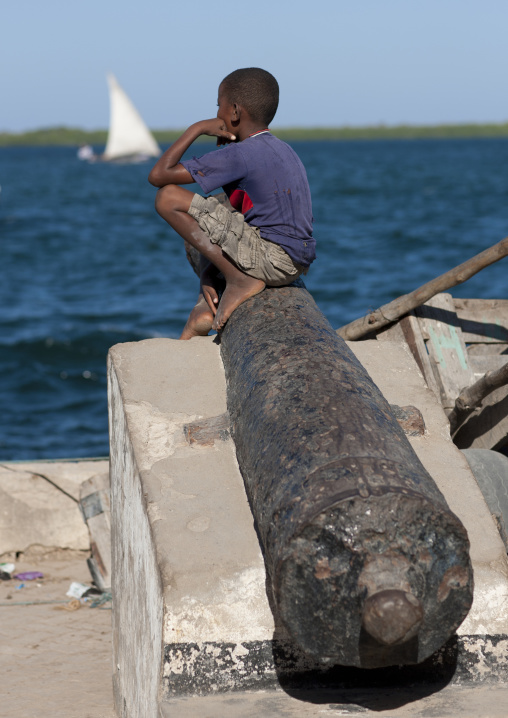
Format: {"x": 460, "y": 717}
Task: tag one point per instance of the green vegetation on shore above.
{"x": 396, "y": 132}
{"x": 74, "y": 137}
{"x": 63, "y": 136}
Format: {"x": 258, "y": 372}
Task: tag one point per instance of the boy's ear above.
{"x": 237, "y": 111}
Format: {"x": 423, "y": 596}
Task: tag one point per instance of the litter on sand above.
{"x": 29, "y": 575}
{"x": 76, "y": 589}
{"x": 6, "y": 570}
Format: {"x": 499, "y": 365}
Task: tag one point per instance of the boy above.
{"x": 267, "y": 239}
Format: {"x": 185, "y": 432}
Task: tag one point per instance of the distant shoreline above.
{"x": 74, "y": 137}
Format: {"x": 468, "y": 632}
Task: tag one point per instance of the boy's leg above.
{"x": 201, "y": 317}
{"x": 200, "y": 320}
{"x": 172, "y": 203}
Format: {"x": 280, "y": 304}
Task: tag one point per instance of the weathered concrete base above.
{"x": 39, "y": 504}
{"x": 267, "y": 664}
{"x": 191, "y": 613}
{"x": 387, "y": 701}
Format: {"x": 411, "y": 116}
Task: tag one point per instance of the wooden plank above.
{"x": 482, "y": 363}
{"x": 485, "y": 349}
{"x": 446, "y": 347}
{"x": 407, "y": 330}
{"x": 95, "y": 507}
{"x": 412, "y": 332}
{"x": 483, "y": 320}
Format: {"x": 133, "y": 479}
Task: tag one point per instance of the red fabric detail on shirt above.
{"x": 240, "y": 201}
{"x": 258, "y": 132}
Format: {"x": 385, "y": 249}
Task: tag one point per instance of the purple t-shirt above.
{"x": 274, "y": 178}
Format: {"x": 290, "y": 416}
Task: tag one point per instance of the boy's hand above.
{"x": 211, "y": 285}
{"x": 211, "y": 297}
{"x": 168, "y": 170}
{"x": 217, "y": 128}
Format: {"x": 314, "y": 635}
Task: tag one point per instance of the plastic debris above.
{"x": 6, "y": 570}
{"x": 76, "y": 589}
{"x": 101, "y": 601}
{"x": 21, "y": 585}
{"x": 29, "y": 575}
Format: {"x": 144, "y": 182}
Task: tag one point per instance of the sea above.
{"x": 87, "y": 263}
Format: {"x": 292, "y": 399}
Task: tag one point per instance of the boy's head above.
{"x": 256, "y": 90}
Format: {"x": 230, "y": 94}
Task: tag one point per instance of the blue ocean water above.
{"x": 87, "y": 263}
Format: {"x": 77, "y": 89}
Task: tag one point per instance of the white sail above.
{"x": 128, "y": 137}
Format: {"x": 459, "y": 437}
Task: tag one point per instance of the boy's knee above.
{"x": 172, "y": 198}
{"x": 165, "y": 199}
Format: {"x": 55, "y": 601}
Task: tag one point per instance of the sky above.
{"x": 338, "y": 62}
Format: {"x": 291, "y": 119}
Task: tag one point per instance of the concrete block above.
{"x": 188, "y": 575}
{"x": 39, "y": 504}
{"x": 191, "y": 613}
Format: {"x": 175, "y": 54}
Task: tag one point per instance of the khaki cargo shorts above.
{"x": 243, "y": 244}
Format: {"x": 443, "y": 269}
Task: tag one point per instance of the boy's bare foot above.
{"x": 238, "y": 290}
{"x": 199, "y": 322}
{"x": 173, "y": 203}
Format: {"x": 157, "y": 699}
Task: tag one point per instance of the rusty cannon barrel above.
{"x": 368, "y": 565}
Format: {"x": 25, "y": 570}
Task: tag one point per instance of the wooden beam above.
{"x": 392, "y": 311}
{"x": 483, "y": 321}
{"x": 472, "y": 396}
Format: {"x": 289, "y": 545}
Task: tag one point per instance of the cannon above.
{"x": 367, "y": 565}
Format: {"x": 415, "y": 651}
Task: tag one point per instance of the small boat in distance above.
{"x": 129, "y": 139}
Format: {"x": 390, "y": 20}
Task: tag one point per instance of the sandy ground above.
{"x": 53, "y": 662}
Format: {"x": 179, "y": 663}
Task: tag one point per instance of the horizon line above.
{"x": 354, "y": 127}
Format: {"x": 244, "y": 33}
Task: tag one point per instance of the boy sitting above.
{"x": 266, "y": 240}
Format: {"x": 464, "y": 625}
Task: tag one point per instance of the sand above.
{"x": 53, "y": 662}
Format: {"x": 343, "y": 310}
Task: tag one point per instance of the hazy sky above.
{"x": 338, "y": 62}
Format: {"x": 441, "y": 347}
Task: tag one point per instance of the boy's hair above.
{"x": 254, "y": 89}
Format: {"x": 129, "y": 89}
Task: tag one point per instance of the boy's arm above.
{"x": 168, "y": 170}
